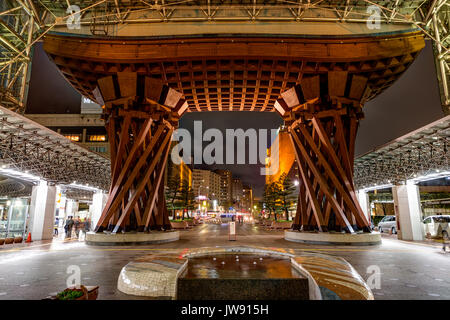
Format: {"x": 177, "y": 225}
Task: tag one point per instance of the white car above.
{"x": 437, "y": 226}
{"x": 387, "y": 224}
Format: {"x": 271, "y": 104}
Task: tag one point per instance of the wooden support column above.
{"x": 141, "y": 114}
{"x": 322, "y": 115}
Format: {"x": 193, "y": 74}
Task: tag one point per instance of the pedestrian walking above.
{"x": 77, "y": 226}
{"x": 87, "y": 225}
{"x": 444, "y": 241}
{"x": 68, "y": 227}
{"x": 56, "y": 226}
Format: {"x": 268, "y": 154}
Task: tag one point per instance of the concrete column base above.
{"x": 357, "y": 239}
{"x": 131, "y": 238}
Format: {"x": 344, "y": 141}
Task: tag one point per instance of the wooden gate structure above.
{"x": 317, "y": 84}
{"x": 141, "y": 114}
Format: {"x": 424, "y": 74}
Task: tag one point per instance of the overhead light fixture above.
{"x": 84, "y": 187}
{"x": 432, "y": 176}
{"x": 379, "y": 187}
{"x": 19, "y": 175}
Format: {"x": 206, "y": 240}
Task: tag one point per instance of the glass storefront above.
{"x": 13, "y": 217}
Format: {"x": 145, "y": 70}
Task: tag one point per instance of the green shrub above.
{"x": 69, "y": 294}
{"x": 180, "y": 220}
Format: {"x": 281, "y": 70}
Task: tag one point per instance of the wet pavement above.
{"x": 36, "y": 270}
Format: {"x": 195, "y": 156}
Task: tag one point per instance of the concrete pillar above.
{"x": 75, "y": 206}
{"x": 363, "y": 199}
{"x": 408, "y": 211}
{"x": 83, "y": 137}
{"x": 69, "y": 208}
{"x": 98, "y": 203}
{"x": 42, "y": 211}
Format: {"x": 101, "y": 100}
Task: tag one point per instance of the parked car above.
{"x": 387, "y": 224}
{"x": 437, "y": 226}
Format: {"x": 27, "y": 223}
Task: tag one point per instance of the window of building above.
{"x": 98, "y": 149}
{"x": 97, "y": 137}
{"x": 73, "y": 137}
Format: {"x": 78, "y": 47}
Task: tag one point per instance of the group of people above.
{"x": 240, "y": 219}
{"x": 76, "y": 225}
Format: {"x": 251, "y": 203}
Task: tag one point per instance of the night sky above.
{"x": 412, "y": 102}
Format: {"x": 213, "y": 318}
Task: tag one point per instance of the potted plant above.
{"x": 73, "y": 294}
{"x": 77, "y": 293}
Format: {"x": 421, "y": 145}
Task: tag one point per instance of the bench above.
{"x": 179, "y": 224}
{"x": 280, "y": 225}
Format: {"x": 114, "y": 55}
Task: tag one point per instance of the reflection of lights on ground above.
{"x": 30, "y": 253}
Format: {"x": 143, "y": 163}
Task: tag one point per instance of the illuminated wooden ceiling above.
{"x": 234, "y": 73}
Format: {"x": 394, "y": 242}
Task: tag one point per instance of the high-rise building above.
{"x": 247, "y": 198}
{"x": 287, "y": 163}
{"x": 86, "y": 128}
{"x": 237, "y": 193}
{"x": 206, "y": 183}
{"x": 179, "y": 171}
{"x": 226, "y": 180}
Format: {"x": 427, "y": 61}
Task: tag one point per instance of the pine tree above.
{"x": 172, "y": 194}
{"x": 270, "y": 198}
{"x": 186, "y": 198}
{"x": 285, "y": 193}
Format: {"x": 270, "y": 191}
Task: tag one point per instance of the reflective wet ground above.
{"x": 35, "y": 270}
{"x": 231, "y": 266}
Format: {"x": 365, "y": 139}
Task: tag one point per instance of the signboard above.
{"x": 90, "y": 107}
{"x": 232, "y": 231}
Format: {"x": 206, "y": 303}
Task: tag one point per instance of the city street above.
{"x": 36, "y": 270}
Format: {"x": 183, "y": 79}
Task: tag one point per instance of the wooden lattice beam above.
{"x": 140, "y": 116}
{"x": 322, "y": 116}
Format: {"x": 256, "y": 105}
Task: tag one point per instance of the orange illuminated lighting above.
{"x": 73, "y": 137}
{"x": 97, "y": 138}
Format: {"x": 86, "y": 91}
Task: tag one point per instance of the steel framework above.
{"x": 24, "y": 22}
{"x": 29, "y": 147}
{"x": 13, "y": 188}
{"x": 419, "y": 153}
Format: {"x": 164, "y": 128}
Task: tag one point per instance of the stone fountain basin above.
{"x": 243, "y": 276}
{"x": 195, "y": 274}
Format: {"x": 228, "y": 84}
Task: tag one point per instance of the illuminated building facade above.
{"x": 247, "y": 199}
{"x": 86, "y": 128}
{"x": 226, "y": 179}
{"x": 206, "y": 183}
